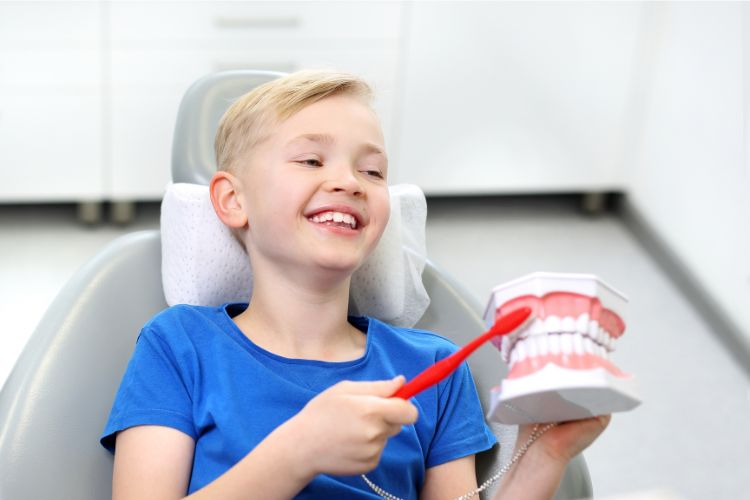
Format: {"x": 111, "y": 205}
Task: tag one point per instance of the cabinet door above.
{"x": 516, "y": 97}
{"x": 50, "y": 147}
{"x": 50, "y": 102}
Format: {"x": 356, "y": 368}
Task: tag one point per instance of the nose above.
{"x": 345, "y": 180}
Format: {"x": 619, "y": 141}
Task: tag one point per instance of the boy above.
{"x": 286, "y": 395}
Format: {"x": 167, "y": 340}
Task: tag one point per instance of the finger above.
{"x": 393, "y": 429}
{"x": 399, "y": 412}
{"x": 598, "y": 423}
{"x": 380, "y": 388}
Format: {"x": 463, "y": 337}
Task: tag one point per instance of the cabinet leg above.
{"x": 90, "y": 212}
{"x": 594, "y": 203}
{"x": 122, "y": 212}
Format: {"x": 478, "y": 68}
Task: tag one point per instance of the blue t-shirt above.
{"x": 194, "y": 370}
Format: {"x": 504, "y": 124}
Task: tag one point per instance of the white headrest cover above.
{"x": 203, "y": 264}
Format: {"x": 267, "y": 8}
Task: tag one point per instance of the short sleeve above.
{"x": 155, "y": 390}
{"x": 461, "y": 429}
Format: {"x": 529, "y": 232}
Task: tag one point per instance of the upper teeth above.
{"x": 335, "y": 217}
{"x": 555, "y": 333}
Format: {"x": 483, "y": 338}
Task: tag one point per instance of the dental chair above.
{"x": 56, "y": 400}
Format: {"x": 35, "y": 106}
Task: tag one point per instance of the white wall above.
{"x": 508, "y": 97}
{"x": 688, "y": 174}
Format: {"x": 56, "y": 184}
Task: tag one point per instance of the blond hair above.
{"x": 246, "y": 122}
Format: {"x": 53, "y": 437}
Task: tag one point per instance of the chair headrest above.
{"x": 201, "y": 109}
{"x": 203, "y": 264}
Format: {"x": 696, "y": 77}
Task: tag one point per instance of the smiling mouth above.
{"x": 334, "y": 219}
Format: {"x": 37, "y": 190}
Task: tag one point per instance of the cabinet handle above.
{"x": 280, "y": 66}
{"x": 289, "y": 22}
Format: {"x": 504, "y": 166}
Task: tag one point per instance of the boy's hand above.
{"x": 345, "y": 428}
{"x": 538, "y": 473}
{"x": 567, "y": 439}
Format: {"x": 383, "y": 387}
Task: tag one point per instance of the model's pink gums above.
{"x": 563, "y": 304}
{"x": 573, "y": 361}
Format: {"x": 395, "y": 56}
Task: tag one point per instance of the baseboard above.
{"x": 729, "y": 334}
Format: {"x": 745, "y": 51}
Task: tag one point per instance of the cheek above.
{"x": 382, "y": 211}
{"x": 384, "y": 205}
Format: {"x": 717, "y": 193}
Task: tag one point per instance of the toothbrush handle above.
{"x": 444, "y": 367}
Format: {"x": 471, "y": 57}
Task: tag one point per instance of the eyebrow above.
{"x": 328, "y": 139}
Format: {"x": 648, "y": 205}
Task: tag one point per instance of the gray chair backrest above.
{"x": 198, "y": 118}
{"x": 56, "y": 400}
{"x": 55, "y": 403}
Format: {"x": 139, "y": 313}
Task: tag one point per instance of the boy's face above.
{"x": 325, "y": 162}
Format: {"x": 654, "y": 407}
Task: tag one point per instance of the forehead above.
{"x": 336, "y": 118}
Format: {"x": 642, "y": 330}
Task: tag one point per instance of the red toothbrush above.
{"x": 444, "y": 367}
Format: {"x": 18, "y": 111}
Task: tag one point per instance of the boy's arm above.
{"x": 152, "y": 462}
{"x": 535, "y": 477}
{"x": 155, "y": 462}
{"x": 450, "y": 480}
{"x": 342, "y": 431}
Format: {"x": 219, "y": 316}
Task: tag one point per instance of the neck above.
{"x": 301, "y": 319}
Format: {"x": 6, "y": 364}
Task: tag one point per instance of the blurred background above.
{"x": 601, "y": 137}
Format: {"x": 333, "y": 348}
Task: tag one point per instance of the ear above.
{"x": 226, "y": 198}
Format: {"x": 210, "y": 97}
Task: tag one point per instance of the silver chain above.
{"x": 536, "y": 433}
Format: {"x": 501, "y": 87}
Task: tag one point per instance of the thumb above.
{"x": 381, "y": 388}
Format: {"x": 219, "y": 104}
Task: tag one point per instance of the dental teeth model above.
{"x": 558, "y": 362}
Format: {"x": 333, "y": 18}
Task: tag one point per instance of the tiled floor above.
{"x": 691, "y": 434}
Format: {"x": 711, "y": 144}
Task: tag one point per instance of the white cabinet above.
{"x": 159, "y": 48}
{"x": 516, "y": 97}
{"x": 50, "y": 102}
{"x": 89, "y": 90}
{"x": 475, "y": 97}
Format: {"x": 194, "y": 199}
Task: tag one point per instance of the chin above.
{"x": 338, "y": 264}
{"x": 340, "y": 267}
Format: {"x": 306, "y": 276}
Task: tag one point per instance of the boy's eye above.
{"x": 311, "y": 162}
{"x": 375, "y": 173}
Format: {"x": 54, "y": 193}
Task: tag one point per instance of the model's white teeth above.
{"x": 582, "y": 324}
{"x": 567, "y": 343}
{"x": 554, "y": 343}
{"x": 337, "y": 217}
{"x": 520, "y": 350}
{"x": 537, "y": 327}
{"x": 552, "y": 324}
{"x": 532, "y": 347}
{"x": 568, "y": 324}
{"x": 593, "y": 329}
{"x": 543, "y": 345}
{"x": 578, "y": 344}
{"x": 589, "y": 346}
{"x": 554, "y": 335}
{"x": 508, "y": 346}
